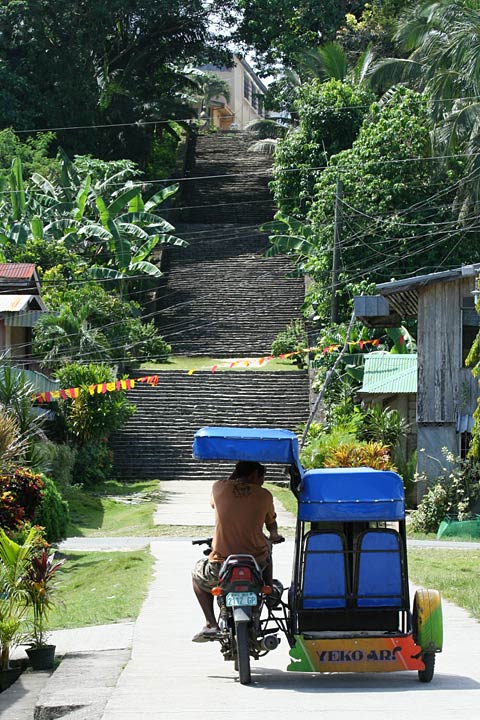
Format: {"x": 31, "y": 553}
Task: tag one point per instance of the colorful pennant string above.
{"x": 129, "y": 383}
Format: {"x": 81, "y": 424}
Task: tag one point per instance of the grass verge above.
{"x": 207, "y": 363}
{"x": 113, "y": 509}
{"x": 99, "y": 588}
{"x": 454, "y": 573}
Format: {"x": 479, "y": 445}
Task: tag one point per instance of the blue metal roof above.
{"x": 244, "y": 443}
{"x": 351, "y": 494}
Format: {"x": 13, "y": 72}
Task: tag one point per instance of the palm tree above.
{"x": 443, "y": 42}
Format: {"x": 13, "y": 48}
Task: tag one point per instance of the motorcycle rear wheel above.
{"x": 243, "y": 655}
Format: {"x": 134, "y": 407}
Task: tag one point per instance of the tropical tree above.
{"x": 393, "y": 221}
{"x": 87, "y": 323}
{"x": 99, "y": 217}
{"x": 16, "y": 403}
{"x": 115, "y": 66}
{"x": 330, "y": 116}
{"x": 276, "y": 29}
{"x": 443, "y": 42}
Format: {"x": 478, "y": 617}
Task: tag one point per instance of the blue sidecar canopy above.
{"x": 351, "y": 494}
{"x": 241, "y": 443}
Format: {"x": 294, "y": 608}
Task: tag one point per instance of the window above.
{"x": 470, "y": 325}
{"x": 246, "y": 87}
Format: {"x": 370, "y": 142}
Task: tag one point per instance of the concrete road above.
{"x": 168, "y": 676}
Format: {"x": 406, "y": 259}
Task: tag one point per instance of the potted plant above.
{"x": 15, "y": 561}
{"x": 41, "y": 587}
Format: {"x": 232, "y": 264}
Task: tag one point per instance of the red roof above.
{"x": 18, "y": 271}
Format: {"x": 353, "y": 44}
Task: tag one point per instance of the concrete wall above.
{"x": 243, "y": 110}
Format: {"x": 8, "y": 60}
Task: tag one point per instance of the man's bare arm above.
{"x": 275, "y": 536}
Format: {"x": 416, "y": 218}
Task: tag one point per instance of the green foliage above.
{"x": 330, "y": 115}
{"x": 93, "y": 464}
{"x": 382, "y": 425}
{"x": 116, "y": 71}
{"x": 431, "y": 511}
{"x": 90, "y": 418}
{"x": 101, "y": 219}
{"x": 374, "y": 28}
{"x": 320, "y": 444}
{"x": 387, "y": 185}
{"x": 57, "y": 461}
{"x": 52, "y": 512}
{"x": 341, "y": 448}
{"x": 15, "y": 560}
{"x": 89, "y": 323}
{"x": 276, "y": 29}
{"x": 163, "y": 157}
{"x": 455, "y": 494}
{"x": 473, "y": 361}
{"x": 21, "y": 493}
{"x": 33, "y": 152}
{"x": 292, "y": 339}
{"x": 441, "y": 42}
{"x": 41, "y": 593}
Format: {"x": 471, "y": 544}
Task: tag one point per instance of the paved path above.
{"x": 168, "y": 676}
{"x": 188, "y": 503}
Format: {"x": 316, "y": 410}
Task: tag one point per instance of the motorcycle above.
{"x": 251, "y": 613}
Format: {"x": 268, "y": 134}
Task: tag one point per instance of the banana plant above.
{"x": 129, "y": 237}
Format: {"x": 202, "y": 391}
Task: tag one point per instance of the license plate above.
{"x": 241, "y": 598}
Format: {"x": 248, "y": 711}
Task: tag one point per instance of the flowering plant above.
{"x": 41, "y": 586}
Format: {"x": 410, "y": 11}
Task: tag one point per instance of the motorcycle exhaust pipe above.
{"x": 270, "y": 642}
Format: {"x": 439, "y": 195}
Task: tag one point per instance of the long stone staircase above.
{"x": 222, "y": 298}
{"x": 157, "y": 441}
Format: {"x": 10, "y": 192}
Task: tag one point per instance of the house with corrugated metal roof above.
{"x": 21, "y": 305}
{"x": 447, "y": 323}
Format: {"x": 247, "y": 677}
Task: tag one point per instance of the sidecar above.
{"x": 348, "y": 606}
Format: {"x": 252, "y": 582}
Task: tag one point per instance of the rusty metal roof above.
{"x": 17, "y": 271}
{"x": 18, "y": 303}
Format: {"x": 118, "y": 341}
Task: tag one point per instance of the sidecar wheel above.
{"x": 243, "y": 656}
{"x": 426, "y": 675}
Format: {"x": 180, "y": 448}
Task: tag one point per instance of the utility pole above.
{"x": 337, "y": 237}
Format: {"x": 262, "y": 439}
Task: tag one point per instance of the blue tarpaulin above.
{"x": 351, "y": 494}
{"x": 241, "y": 443}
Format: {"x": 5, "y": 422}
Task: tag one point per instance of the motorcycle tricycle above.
{"x": 348, "y": 605}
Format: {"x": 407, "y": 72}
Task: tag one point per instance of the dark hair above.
{"x": 244, "y": 468}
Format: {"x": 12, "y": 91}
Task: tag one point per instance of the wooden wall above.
{"x": 445, "y": 389}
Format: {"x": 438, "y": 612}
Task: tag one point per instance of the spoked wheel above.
{"x": 243, "y": 656}
{"x": 426, "y": 675}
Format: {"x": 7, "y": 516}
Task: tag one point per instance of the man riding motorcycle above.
{"x": 242, "y": 508}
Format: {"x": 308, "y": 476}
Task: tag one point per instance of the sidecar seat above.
{"x": 324, "y": 574}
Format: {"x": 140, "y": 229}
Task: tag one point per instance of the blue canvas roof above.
{"x": 351, "y": 494}
{"x": 243, "y": 443}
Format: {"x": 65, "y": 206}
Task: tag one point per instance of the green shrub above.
{"x": 93, "y": 464}
{"x": 455, "y": 494}
{"x": 431, "y": 510}
{"x": 293, "y": 338}
{"x": 52, "y": 513}
{"x": 320, "y": 445}
{"x": 382, "y": 425}
{"x": 57, "y": 461}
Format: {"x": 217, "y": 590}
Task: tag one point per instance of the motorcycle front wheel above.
{"x": 243, "y": 656}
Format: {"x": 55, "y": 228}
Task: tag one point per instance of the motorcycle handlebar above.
{"x": 203, "y": 541}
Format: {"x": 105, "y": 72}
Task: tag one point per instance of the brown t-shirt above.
{"x": 241, "y": 511}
